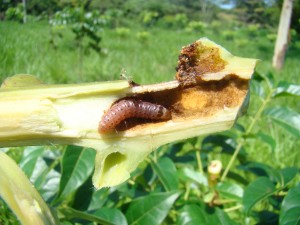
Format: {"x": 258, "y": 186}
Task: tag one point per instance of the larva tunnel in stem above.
{"x": 210, "y": 90}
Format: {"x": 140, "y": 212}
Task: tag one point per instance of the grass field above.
{"x": 27, "y": 49}
{"x": 149, "y": 56}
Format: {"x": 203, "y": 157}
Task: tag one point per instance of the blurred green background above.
{"x": 79, "y": 41}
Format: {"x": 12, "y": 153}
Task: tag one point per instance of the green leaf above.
{"x": 77, "y": 165}
{"x": 98, "y": 199}
{"x": 257, "y": 88}
{"x": 226, "y": 143}
{"x": 200, "y": 214}
{"x": 287, "y": 175}
{"x": 50, "y": 185}
{"x": 259, "y": 189}
{"x": 285, "y": 117}
{"x": 290, "y": 209}
{"x": 167, "y": 173}
{"x": 70, "y": 213}
{"x": 195, "y": 176}
{"x": 113, "y": 215}
{"x": 257, "y": 76}
{"x": 223, "y": 218}
{"x": 283, "y": 176}
{"x": 261, "y": 169}
{"x": 268, "y": 77}
{"x": 151, "y": 209}
{"x": 231, "y": 191}
{"x": 211, "y": 142}
{"x": 29, "y": 159}
{"x": 83, "y": 196}
{"x": 192, "y": 214}
{"x": 44, "y": 178}
{"x": 286, "y": 89}
{"x": 40, "y": 172}
{"x": 269, "y": 140}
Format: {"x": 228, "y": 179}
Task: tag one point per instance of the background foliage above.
{"x": 81, "y": 41}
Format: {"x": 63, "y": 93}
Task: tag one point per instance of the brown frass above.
{"x": 195, "y": 60}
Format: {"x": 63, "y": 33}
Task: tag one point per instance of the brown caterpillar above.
{"x": 130, "y": 108}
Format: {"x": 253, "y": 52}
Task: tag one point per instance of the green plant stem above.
{"x": 187, "y": 192}
{"x": 241, "y": 142}
{"x": 282, "y": 193}
{"x": 199, "y": 162}
{"x": 131, "y": 182}
{"x": 233, "y": 208}
{"x": 236, "y": 152}
{"x": 259, "y": 112}
{"x": 223, "y": 201}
